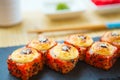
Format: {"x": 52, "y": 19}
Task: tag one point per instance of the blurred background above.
{"x": 65, "y": 16}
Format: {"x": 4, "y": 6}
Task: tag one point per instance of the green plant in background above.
{"x": 62, "y": 6}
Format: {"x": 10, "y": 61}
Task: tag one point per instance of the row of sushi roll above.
{"x": 63, "y": 57}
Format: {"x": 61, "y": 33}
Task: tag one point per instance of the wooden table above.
{"x": 18, "y": 35}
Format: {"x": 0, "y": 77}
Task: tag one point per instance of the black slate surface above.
{"x": 82, "y": 71}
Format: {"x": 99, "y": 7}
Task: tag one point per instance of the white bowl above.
{"x": 48, "y": 7}
{"x": 110, "y": 8}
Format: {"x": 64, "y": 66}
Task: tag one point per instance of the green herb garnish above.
{"x": 62, "y": 6}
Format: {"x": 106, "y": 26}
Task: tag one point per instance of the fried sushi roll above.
{"x": 82, "y": 42}
{"x": 24, "y": 63}
{"x": 113, "y": 38}
{"x": 42, "y": 44}
{"x": 62, "y": 58}
{"x": 102, "y": 55}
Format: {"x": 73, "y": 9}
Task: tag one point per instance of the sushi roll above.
{"x": 24, "y": 63}
{"x": 42, "y": 45}
{"x": 101, "y": 55}
{"x": 113, "y": 38}
{"x": 62, "y": 58}
{"x": 82, "y": 42}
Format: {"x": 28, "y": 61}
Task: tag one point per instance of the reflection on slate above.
{"x": 82, "y": 71}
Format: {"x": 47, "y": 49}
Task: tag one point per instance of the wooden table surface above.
{"x": 18, "y": 34}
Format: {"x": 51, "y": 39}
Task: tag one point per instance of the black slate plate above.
{"x": 82, "y": 71}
